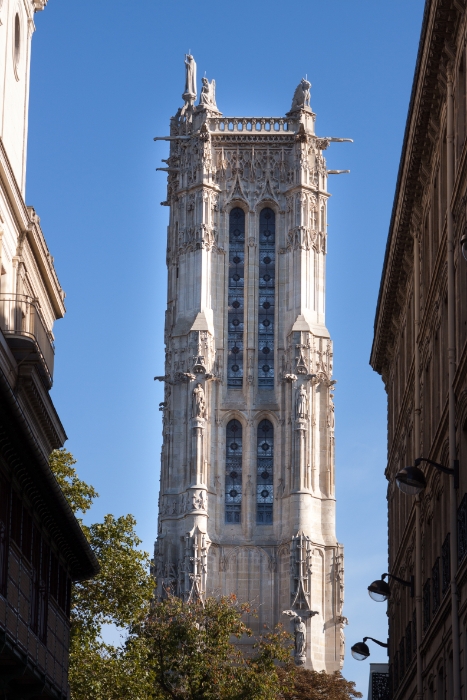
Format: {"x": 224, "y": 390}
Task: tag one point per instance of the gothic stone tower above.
{"x": 247, "y": 499}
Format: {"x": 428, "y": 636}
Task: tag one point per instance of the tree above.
{"x": 192, "y": 656}
{"x": 311, "y": 685}
{"x": 119, "y": 595}
{"x": 174, "y": 650}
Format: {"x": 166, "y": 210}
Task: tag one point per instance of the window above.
{"x": 236, "y": 297}
{"x": 4, "y": 519}
{"x": 264, "y": 477}
{"x": 267, "y": 258}
{"x": 17, "y": 43}
{"x": 233, "y": 475}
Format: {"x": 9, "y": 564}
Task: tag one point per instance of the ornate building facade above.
{"x": 247, "y": 502}
{"x": 42, "y": 546}
{"x": 420, "y": 349}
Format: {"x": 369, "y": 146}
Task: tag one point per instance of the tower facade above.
{"x": 247, "y": 502}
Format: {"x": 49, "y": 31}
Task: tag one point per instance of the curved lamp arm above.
{"x": 376, "y": 642}
{"x": 410, "y": 584}
{"x": 447, "y": 470}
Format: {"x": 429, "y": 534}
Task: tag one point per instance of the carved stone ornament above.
{"x": 198, "y": 402}
{"x": 301, "y": 98}
{"x": 207, "y": 99}
{"x": 301, "y": 403}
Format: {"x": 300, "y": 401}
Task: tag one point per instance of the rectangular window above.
{"x": 435, "y": 579}
{"x": 446, "y": 565}
{"x": 462, "y": 529}
{"x": 426, "y": 604}
{"x": 16, "y": 517}
{"x": 5, "y": 493}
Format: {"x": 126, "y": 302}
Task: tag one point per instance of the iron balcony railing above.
{"x": 25, "y": 332}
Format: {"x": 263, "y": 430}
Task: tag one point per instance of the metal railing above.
{"x": 25, "y": 331}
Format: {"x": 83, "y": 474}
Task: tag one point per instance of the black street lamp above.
{"x": 380, "y": 590}
{"x": 411, "y": 480}
{"x": 360, "y": 650}
{"x": 464, "y": 245}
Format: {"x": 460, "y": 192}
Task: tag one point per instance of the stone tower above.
{"x": 247, "y": 499}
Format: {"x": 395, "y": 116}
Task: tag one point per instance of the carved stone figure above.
{"x": 208, "y": 94}
{"x": 198, "y": 403}
{"x": 301, "y": 405}
{"x": 300, "y": 637}
{"x": 301, "y": 98}
{"x": 189, "y": 94}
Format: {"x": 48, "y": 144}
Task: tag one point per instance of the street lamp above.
{"x": 411, "y": 480}
{"x": 464, "y": 245}
{"x": 360, "y": 650}
{"x": 380, "y": 590}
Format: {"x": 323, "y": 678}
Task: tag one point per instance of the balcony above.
{"x": 25, "y": 332}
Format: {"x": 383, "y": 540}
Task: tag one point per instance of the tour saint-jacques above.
{"x": 247, "y": 494}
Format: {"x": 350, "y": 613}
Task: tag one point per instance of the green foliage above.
{"x": 192, "y": 656}
{"x": 311, "y": 685}
{"x": 173, "y": 650}
{"x": 120, "y": 595}
{"x": 78, "y": 494}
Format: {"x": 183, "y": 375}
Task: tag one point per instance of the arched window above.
{"x": 233, "y": 472}
{"x": 265, "y": 473}
{"x": 17, "y": 46}
{"x": 267, "y": 268}
{"x": 236, "y": 297}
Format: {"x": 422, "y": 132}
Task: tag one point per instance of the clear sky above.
{"x": 106, "y": 77}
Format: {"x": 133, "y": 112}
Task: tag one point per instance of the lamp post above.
{"x": 464, "y": 245}
{"x": 380, "y": 590}
{"x": 411, "y": 480}
{"x": 360, "y": 650}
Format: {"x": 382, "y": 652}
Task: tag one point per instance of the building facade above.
{"x": 420, "y": 349}
{"x": 247, "y": 502}
{"x": 42, "y": 547}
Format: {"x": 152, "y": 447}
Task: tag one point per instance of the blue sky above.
{"x": 106, "y": 77}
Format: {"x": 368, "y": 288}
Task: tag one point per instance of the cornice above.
{"x": 28, "y": 221}
{"x": 438, "y": 26}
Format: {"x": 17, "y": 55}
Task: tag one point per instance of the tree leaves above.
{"x": 173, "y": 650}
{"x": 119, "y": 595}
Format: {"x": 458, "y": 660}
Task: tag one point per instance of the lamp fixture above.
{"x": 411, "y": 480}
{"x": 380, "y": 590}
{"x": 360, "y": 650}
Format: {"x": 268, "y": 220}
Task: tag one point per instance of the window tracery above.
{"x": 267, "y": 268}
{"x": 233, "y": 472}
{"x": 264, "y": 476}
{"x": 236, "y": 297}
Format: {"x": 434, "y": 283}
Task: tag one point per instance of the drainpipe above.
{"x": 416, "y": 421}
{"x": 452, "y": 398}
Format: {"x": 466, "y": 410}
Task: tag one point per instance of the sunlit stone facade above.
{"x": 247, "y": 501}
